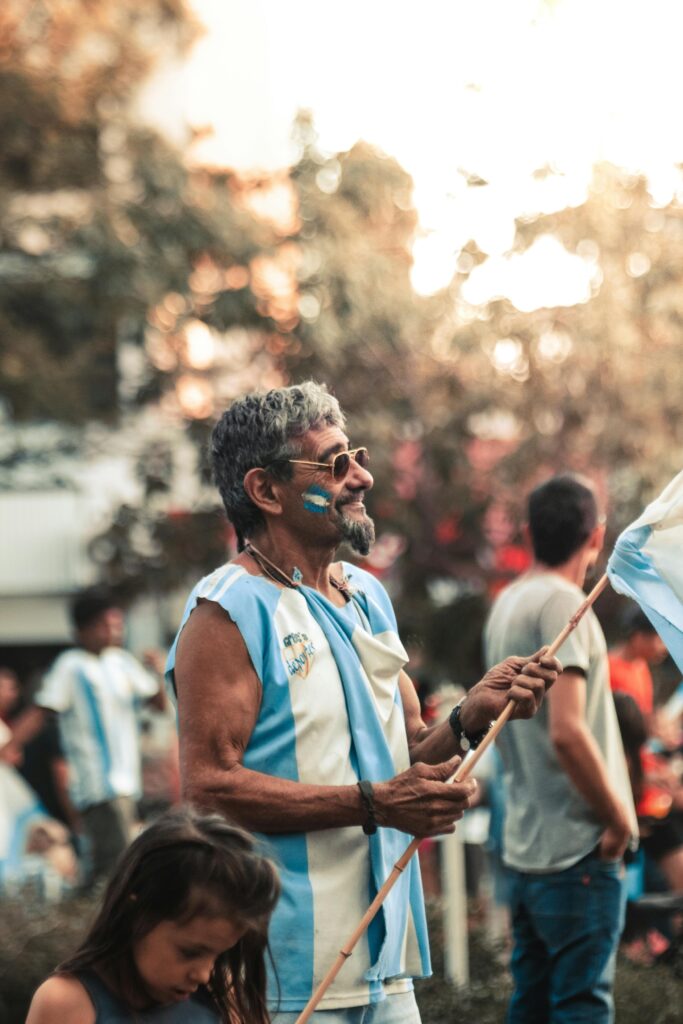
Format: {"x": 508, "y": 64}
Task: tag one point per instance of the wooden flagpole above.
{"x": 464, "y": 770}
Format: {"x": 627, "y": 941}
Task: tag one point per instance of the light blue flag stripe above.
{"x": 632, "y": 572}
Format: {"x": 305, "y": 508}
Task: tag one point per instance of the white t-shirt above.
{"x": 548, "y": 824}
{"x": 97, "y": 698}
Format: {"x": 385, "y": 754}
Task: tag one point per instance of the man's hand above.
{"x": 615, "y": 839}
{"x": 421, "y": 801}
{"x": 522, "y": 680}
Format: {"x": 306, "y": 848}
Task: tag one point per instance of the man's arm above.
{"x": 522, "y": 680}
{"x": 28, "y": 724}
{"x": 580, "y": 757}
{"x": 219, "y": 696}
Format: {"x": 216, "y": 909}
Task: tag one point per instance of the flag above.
{"x": 647, "y": 565}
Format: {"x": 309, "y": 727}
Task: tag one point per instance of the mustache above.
{"x": 351, "y": 498}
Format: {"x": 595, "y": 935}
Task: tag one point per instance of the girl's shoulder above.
{"x": 62, "y": 999}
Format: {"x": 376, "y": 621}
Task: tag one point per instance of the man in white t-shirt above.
{"x": 96, "y": 689}
{"x": 569, "y": 814}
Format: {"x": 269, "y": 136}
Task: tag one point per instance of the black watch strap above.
{"x": 467, "y": 741}
{"x": 368, "y": 796}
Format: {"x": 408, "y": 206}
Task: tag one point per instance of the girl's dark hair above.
{"x": 183, "y": 865}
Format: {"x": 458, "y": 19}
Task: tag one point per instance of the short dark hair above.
{"x": 634, "y": 620}
{"x": 262, "y": 430}
{"x": 90, "y": 604}
{"x": 187, "y": 864}
{"x": 563, "y": 513}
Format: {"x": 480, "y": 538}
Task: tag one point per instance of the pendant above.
{"x": 297, "y": 575}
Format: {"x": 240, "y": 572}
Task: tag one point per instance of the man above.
{"x": 569, "y": 810}
{"x": 657, "y": 788}
{"x": 629, "y": 664}
{"x": 297, "y": 720}
{"x": 95, "y": 690}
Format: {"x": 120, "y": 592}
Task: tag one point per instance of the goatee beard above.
{"x": 358, "y": 534}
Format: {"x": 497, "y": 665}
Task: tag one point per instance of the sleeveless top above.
{"x": 110, "y": 1010}
{"x": 330, "y": 714}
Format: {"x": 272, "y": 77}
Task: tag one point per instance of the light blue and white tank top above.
{"x": 97, "y": 698}
{"x": 330, "y": 714}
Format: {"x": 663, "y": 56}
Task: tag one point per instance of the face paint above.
{"x": 316, "y": 499}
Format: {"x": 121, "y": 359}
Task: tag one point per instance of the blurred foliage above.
{"x": 131, "y": 278}
{"x": 99, "y": 217}
{"x": 35, "y": 936}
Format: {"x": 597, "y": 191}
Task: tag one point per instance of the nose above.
{"x": 359, "y": 477}
{"x": 201, "y": 972}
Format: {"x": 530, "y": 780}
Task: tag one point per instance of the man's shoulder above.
{"x": 72, "y": 659}
{"x": 221, "y": 578}
{"x": 366, "y": 582}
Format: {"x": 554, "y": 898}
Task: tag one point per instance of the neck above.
{"x": 627, "y": 652}
{"x": 92, "y": 649}
{"x": 574, "y": 569}
{"x": 292, "y": 558}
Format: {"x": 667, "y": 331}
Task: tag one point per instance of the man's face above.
{"x": 651, "y": 647}
{"x": 336, "y": 507}
{"x": 104, "y": 631}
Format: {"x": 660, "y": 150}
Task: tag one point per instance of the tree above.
{"x": 99, "y": 217}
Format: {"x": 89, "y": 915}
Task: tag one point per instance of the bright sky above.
{"x": 497, "y": 88}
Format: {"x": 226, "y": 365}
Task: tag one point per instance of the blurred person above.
{"x": 39, "y": 758}
{"x": 33, "y": 846}
{"x": 180, "y": 937}
{"x": 658, "y": 797}
{"x": 297, "y": 719}
{"x": 569, "y": 814}
{"x": 95, "y": 690}
{"x": 629, "y": 663}
{"x": 9, "y": 692}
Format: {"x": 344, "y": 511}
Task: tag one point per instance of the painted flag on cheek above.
{"x": 647, "y": 565}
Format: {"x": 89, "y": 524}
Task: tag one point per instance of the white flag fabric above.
{"x": 647, "y": 565}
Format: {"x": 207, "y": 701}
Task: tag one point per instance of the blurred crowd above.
{"x": 85, "y": 759}
{"x": 91, "y": 755}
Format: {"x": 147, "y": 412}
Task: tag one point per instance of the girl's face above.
{"x": 175, "y": 958}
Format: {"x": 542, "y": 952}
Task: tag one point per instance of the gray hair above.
{"x": 258, "y": 430}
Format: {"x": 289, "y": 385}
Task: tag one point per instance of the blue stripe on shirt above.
{"x": 97, "y": 726}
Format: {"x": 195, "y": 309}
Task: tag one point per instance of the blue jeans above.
{"x": 566, "y": 927}
{"x": 397, "y": 1009}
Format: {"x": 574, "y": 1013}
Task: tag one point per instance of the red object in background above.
{"x": 654, "y": 803}
{"x": 512, "y": 558}
{"x": 446, "y": 531}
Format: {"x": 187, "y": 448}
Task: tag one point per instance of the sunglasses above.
{"x": 340, "y": 464}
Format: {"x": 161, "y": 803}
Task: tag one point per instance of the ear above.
{"x": 597, "y": 538}
{"x": 264, "y": 491}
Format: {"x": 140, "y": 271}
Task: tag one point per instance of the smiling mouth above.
{"x": 352, "y": 502}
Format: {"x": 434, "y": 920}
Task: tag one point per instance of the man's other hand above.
{"x": 522, "y": 680}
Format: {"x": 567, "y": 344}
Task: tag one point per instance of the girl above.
{"x": 180, "y": 936}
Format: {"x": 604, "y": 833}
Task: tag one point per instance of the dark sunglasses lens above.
{"x": 362, "y": 457}
{"x": 340, "y": 465}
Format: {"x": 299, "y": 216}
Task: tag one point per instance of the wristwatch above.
{"x": 467, "y": 741}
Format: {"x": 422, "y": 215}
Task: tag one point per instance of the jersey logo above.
{"x": 298, "y": 651}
